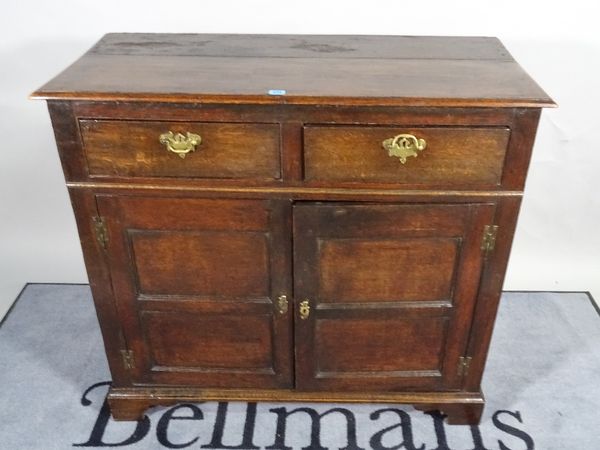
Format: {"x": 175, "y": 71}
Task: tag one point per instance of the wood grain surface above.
{"x": 227, "y": 150}
{"x": 454, "y": 155}
{"x": 196, "y": 282}
{"x": 365, "y": 330}
{"x": 342, "y": 69}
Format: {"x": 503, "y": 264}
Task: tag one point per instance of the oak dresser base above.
{"x": 460, "y": 408}
{"x": 296, "y": 218}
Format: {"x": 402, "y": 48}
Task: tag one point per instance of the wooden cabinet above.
{"x": 317, "y": 231}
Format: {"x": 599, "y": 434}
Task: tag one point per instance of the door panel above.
{"x": 223, "y": 264}
{"x": 372, "y": 270}
{"x": 196, "y": 283}
{"x": 234, "y": 341}
{"x": 391, "y": 291}
{"x": 377, "y": 344}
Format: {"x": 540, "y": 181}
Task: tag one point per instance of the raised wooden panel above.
{"x": 386, "y": 270}
{"x": 453, "y": 155}
{"x": 391, "y": 290}
{"x": 228, "y": 150}
{"x": 382, "y": 345}
{"x": 210, "y": 263}
{"x": 204, "y": 342}
{"x": 196, "y": 283}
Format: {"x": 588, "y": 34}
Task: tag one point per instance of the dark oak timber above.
{"x": 392, "y": 70}
{"x": 271, "y": 247}
{"x": 393, "y": 289}
{"x": 463, "y": 156}
{"x": 223, "y": 154}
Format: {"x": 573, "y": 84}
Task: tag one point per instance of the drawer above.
{"x": 418, "y": 156}
{"x": 126, "y": 148}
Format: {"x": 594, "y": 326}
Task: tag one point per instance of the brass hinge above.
{"x": 488, "y": 241}
{"x": 101, "y": 230}
{"x": 128, "y": 360}
{"x": 464, "y": 362}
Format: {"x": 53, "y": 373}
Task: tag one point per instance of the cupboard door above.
{"x": 390, "y": 291}
{"x": 196, "y": 283}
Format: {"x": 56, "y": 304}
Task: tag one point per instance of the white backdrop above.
{"x": 557, "y": 246}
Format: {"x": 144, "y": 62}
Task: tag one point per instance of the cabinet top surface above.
{"x": 298, "y": 69}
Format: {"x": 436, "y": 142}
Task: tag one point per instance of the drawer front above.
{"x": 223, "y": 150}
{"x": 443, "y": 156}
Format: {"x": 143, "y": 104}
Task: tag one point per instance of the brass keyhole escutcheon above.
{"x": 282, "y": 304}
{"x": 304, "y": 309}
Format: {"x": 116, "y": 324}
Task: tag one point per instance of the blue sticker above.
{"x": 277, "y": 91}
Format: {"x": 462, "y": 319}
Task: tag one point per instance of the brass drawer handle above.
{"x": 304, "y": 309}
{"x": 180, "y": 144}
{"x": 404, "y": 145}
{"x": 282, "y": 304}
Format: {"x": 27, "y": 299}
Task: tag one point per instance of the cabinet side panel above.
{"x": 84, "y": 206}
{"x": 507, "y": 211}
{"x": 523, "y": 130}
{"x": 68, "y": 140}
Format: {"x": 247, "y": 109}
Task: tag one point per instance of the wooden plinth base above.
{"x": 461, "y": 408}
